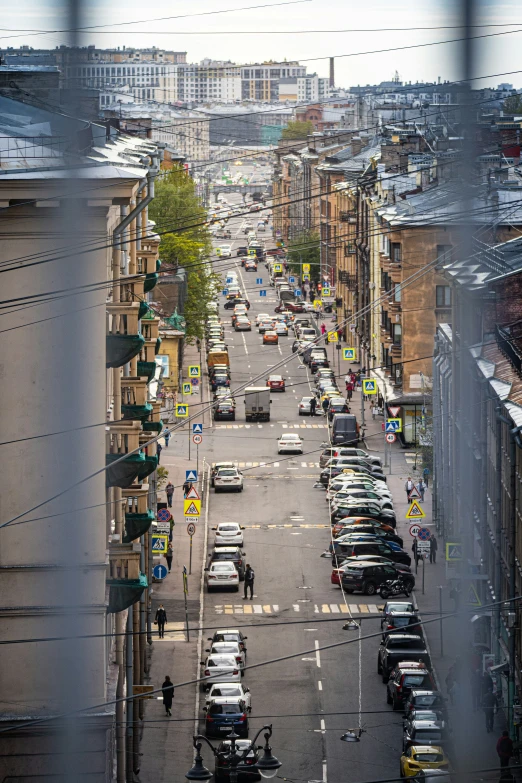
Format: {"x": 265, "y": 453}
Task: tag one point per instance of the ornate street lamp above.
{"x": 267, "y": 765}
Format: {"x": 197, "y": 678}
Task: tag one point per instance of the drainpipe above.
{"x": 130, "y": 701}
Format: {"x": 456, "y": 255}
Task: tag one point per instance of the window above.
{"x": 397, "y": 292}
{"x": 397, "y": 334}
{"x": 396, "y": 255}
{"x": 443, "y": 295}
{"x": 444, "y": 255}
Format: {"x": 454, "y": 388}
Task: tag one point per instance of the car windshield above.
{"x": 222, "y": 660}
{"x": 218, "y": 555}
{"x": 426, "y": 701}
{"x": 226, "y": 637}
{"x": 415, "y": 680}
{"x": 276, "y": 378}
{"x": 223, "y": 567}
{"x": 231, "y": 690}
{"x": 290, "y": 437}
{"x": 401, "y": 622}
{"x": 228, "y": 528}
{"x": 427, "y": 735}
{"x": 430, "y": 757}
{"x": 226, "y": 709}
{"x": 227, "y": 473}
{"x": 404, "y": 644}
{"x": 226, "y": 647}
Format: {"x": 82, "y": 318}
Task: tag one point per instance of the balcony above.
{"x": 152, "y": 278}
{"x": 126, "y": 582}
{"x": 147, "y": 257}
{"x": 138, "y": 516}
{"x": 121, "y": 440}
{"x": 150, "y": 456}
{"x": 146, "y": 370}
{"x": 124, "y": 340}
{"x": 396, "y": 350}
{"x": 134, "y": 404}
{"x": 150, "y": 330}
{"x": 155, "y": 423}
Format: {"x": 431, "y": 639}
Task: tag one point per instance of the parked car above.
{"x": 215, "y": 466}
{"x": 400, "y": 647}
{"x": 244, "y": 770}
{"x": 219, "y": 668}
{"x": 303, "y": 407}
{"x": 425, "y": 757}
{"x": 401, "y": 622}
{"x": 402, "y": 683}
{"x": 424, "y": 699}
{"x": 426, "y": 732}
{"x": 228, "y": 534}
{"x": 228, "y": 480}
{"x": 230, "y": 690}
{"x": 231, "y": 554}
{"x": 222, "y": 575}
{"x": 225, "y": 715}
{"x": 230, "y": 635}
{"x": 367, "y": 577}
{"x": 228, "y": 647}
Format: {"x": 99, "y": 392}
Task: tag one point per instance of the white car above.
{"x": 347, "y": 480}
{"x": 220, "y": 668}
{"x": 360, "y": 486}
{"x": 290, "y": 443}
{"x": 344, "y": 497}
{"x": 224, "y": 251}
{"x": 229, "y": 690}
{"x": 228, "y": 648}
{"x": 304, "y": 408}
{"x": 281, "y": 328}
{"x": 228, "y": 534}
{"x": 222, "y": 573}
{"x": 228, "y": 480}
{"x": 262, "y": 317}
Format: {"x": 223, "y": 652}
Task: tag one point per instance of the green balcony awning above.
{"x": 144, "y": 309}
{"x": 121, "y": 348}
{"x": 158, "y": 346}
{"x": 125, "y": 473}
{"x": 147, "y": 370}
{"x": 125, "y": 592}
{"x": 148, "y": 467}
{"x": 152, "y": 426}
{"x": 141, "y": 412}
{"x": 150, "y": 281}
{"x": 136, "y": 525}
{"x": 158, "y": 265}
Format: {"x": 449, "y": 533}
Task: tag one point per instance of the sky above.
{"x": 346, "y": 29}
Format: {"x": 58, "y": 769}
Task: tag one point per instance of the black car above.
{"x": 244, "y": 768}
{"x": 219, "y": 368}
{"x": 402, "y": 682}
{"x": 231, "y": 303}
{"x": 400, "y": 622}
{"x": 424, "y": 700}
{"x": 373, "y": 530}
{"x": 362, "y": 509}
{"x": 399, "y": 647}
{"x": 232, "y": 554}
{"x": 219, "y": 379}
{"x": 339, "y": 560}
{"x": 337, "y": 405}
{"x": 371, "y": 547}
{"x": 367, "y": 577}
{"x": 317, "y": 364}
{"x": 225, "y": 411}
{"x": 242, "y": 250}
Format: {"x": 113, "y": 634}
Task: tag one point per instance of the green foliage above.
{"x": 305, "y": 249}
{"x": 162, "y": 475}
{"x": 177, "y": 208}
{"x": 513, "y": 104}
{"x": 297, "y": 130}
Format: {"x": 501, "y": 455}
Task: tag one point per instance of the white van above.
{"x": 261, "y": 225}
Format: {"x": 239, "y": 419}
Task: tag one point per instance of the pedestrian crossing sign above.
{"x": 333, "y": 337}
{"x": 194, "y": 371}
{"x": 159, "y": 544}
{"x": 369, "y": 386}
{"x": 453, "y": 551}
{"x": 192, "y": 508}
{"x": 181, "y": 411}
{"x": 394, "y": 425}
{"x": 197, "y": 428}
{"x": 472, "y": 598}
{"x": 187, "y": 388}
{"x": 414, "y": 494}
{"x": 415, "y": 511}
{"x": 350, "y": 354}
{"x": 306, "y": 277}
{"x": 278, "y": 267}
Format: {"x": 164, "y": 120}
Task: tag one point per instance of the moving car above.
{"x": 230, "y": 305}
{"x": 270, "y": 338}
{"x": 425, "y": 757}
{"x": 242, "y": 324}
{"x": 229, "y": 690}
{"x": 241, "y": 250}
{"x": 220, "y": 668}
{"x": 225, "y": 715}
{"x": 262, "y": 317}
{"x": 399, "y": 647}
{"x": 265, "y": 326}
{"x": 281, "y": 329}
{"x": 225, "y": 411}
{"x": 290, "y": 443}
{"x": 222, "y": 574}
{"x": 368, "y": 577}
{"x": 250, "y": 265}
{"x": 231, "y": 554}
{"x": 228, "y": 479}
{"x": 276, "y": 383}
{"x": 224, "y": 251}
{"x": 228, "y": 534}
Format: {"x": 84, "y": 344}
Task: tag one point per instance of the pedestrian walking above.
{"x": 169, "y": 489}
{"x": 505, "y": 749}
{"x": 323, "y": 329}
{"x": 325, "y": 405}
{"x": 426, "y": 475}
{"x": 434, "y": 545}
{"x": 375, "y": 411}
{"x": 489, "y": 705}
{"x": 168, "y": 694}
{"x": 169, "y": 556}
{"x": 408, "y": 486}
{"x": 249, "y": 581}
{"x": 167, "y": 438}
{"x": 187, "y": 486}
{"x": 313, "y": 405}
{"x": 421, "y": 489}
{"x": 161, "y": 620}
{"x": 171, "y": 532}
{"x": 159, "y": 449}
{"x": 349, "y": 390}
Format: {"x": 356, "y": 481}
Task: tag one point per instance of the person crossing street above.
{"x": 249, "y": 581}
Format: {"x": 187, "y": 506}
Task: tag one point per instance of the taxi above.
{"x": 419, "y": 757}
{"x": 270, "y": 338}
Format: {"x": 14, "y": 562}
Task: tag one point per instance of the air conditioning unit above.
{"x": 371, "y": 286}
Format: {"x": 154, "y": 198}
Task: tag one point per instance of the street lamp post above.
{"x": 267, "y": 765}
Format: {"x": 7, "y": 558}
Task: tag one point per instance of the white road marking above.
{"x": 296, "y": 607}
{"x": 317, "y": 654}
{"x": 325, "y": 772}
{"x": 320, "y": 685}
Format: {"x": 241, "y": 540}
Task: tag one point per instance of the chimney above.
{"x": 356, "y": 144}
{"x": 332, "y": 72}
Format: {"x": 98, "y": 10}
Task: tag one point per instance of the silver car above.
{"x": 304, "y": 406}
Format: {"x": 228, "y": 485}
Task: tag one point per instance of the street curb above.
{"x": 437, "y": 681}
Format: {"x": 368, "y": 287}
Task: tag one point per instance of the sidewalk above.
{"x": 473, "y": 745}
{"x": 166, "y": 744}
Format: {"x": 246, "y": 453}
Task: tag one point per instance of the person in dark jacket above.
{"x": 169, "y": 556}
{"x": 169, "y": 489}
{"x": 433, "y": 549}
{"x": 313, "y": 405}
{"x": 505, "y": 749}
{"x": 249, "y": 581}
{"x": 161, "y": 620}
{"x": 168, "y": 694}
{"x": 489, "y": 705}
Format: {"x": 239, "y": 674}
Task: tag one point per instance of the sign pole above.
{"x": 362, "y": 401}
{"x": 188, "y": 430}
{"x": 440, "y": 614}
{"x": 423, "y": 570}
{"x": 190, "y": 556}
{"x": 197, "y": 470}
{"x": 185, "y": 593}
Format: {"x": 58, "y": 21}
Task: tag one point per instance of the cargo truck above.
{"x": 257, "y": 403}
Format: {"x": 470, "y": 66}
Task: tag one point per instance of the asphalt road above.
{"x": 313, "y": 698}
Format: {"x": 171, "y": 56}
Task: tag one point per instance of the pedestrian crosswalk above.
{"x": 282, "y": 527}
{"x": 273, "y": 609}
{"x": 174, "y": 632}
{"x": 289, "y": 464}
{"x": 279, "y": 426}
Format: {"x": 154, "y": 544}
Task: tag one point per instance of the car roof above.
{"x": 219, "y": 524}
{"x": 426, "y": 724}
{"x": 228, "y": 630}
{"x": 223, "y": 657}
{"x": 397, "y": 636}
{"x": 401, "y": 614}
{"x": 226, "y": 549}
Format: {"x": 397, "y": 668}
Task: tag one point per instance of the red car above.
{"x": 276, "y": 383}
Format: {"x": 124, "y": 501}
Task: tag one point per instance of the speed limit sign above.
{"x": 390, "y": 437}
{"x": 191, "y": 529}
{"x": 197, "y": 439}
{"x": 414, "y": 530}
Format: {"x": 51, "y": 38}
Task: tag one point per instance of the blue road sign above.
{"x": 291, "y": 279}
{"x": 225, "y": 291}
{"x": 160, "y": 571}
{"x": 164, "y": 515}
{"x": 424, "y": 534}
{"x": 259, "y": 280}
{"x": 229, "y": 279}
{"x": 191, "y": 475}
{"x": 392, "y": 425}
{"x": 262, "y": 293}
{"x": 297, "y": 291}
{"x": 197, "y": 428}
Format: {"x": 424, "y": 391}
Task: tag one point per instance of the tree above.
{"x": 176, "y": 208}
{"x": 513, "y": 104}
{"x": 297, "y": 130}
{"x": 304, "y": 249}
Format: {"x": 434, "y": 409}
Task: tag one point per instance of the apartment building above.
{"x": 246, "y": 123}
{"x": 304, "y": 89}
{"x": 81, "y": 364}
{"x": 209, "y": 81}
{"x": 260, "y": 81}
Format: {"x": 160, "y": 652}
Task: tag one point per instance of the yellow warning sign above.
{"x": 333, "y": 337}
{"x": 415, "y": 511}
{"x": 472, "y": 598}
{"x": 306, "y": 269}
{"x": 192, "y": 508}
{"x": 318, "y": 303}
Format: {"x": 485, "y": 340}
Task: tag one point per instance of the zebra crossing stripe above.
{"x": 271, "y": 609}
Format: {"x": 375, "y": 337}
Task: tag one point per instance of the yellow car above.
{"x": 422, "y": 757}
